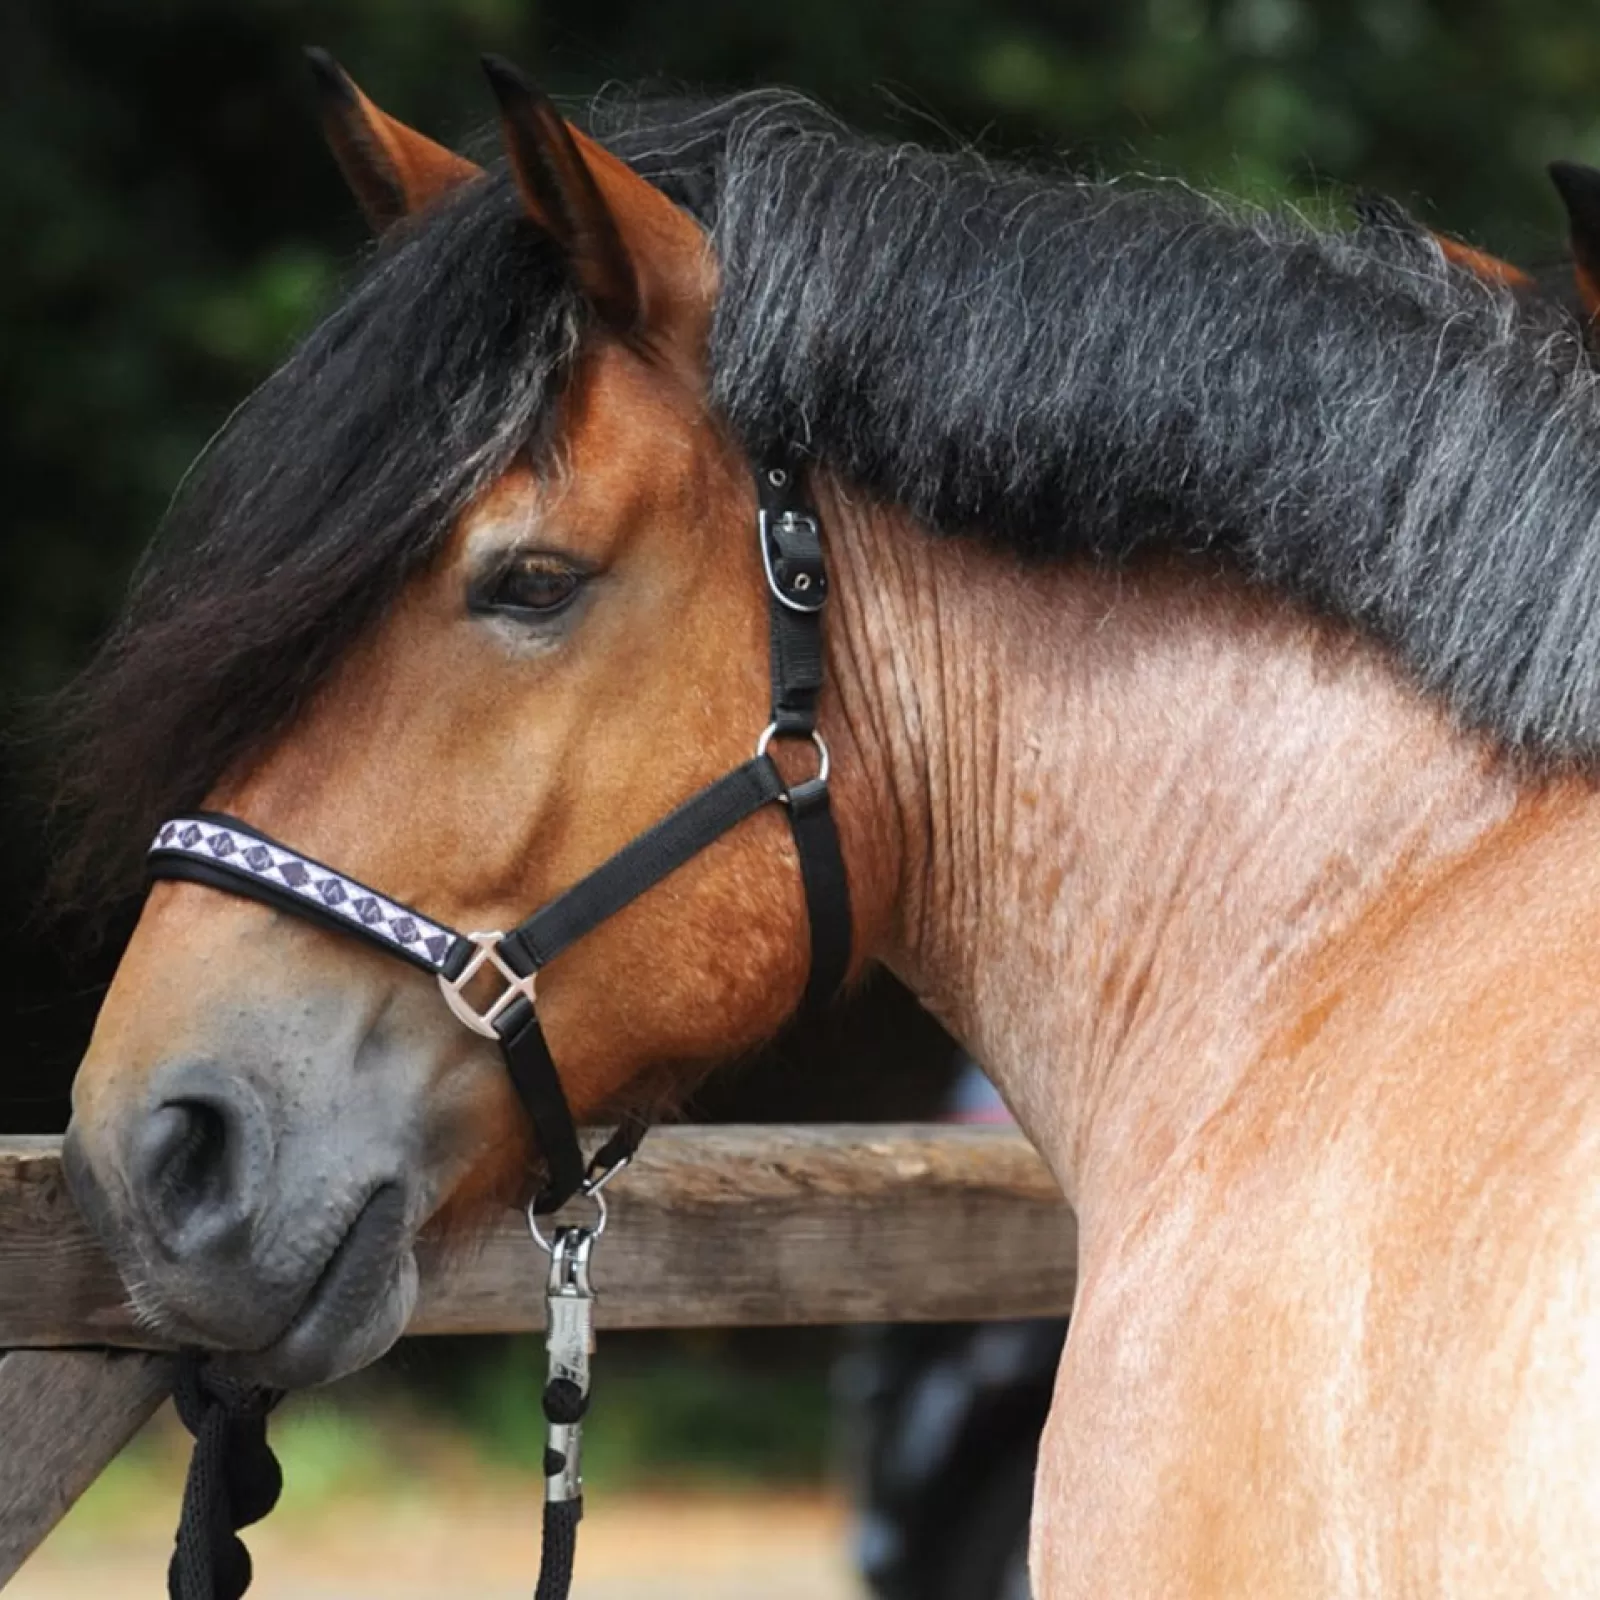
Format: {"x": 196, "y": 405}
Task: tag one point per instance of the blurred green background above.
{"x": 171, "y": 222}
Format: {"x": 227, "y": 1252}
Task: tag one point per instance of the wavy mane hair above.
{"x": 1071, "y": 369}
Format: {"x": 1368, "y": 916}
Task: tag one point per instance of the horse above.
{"x": 1212, "y": 698}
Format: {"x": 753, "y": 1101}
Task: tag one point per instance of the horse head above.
{"x": 268, "y": 1113}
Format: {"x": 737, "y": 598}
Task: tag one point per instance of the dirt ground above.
{"x": 637, "y": 1547}
{"x": 401, "y": 1513}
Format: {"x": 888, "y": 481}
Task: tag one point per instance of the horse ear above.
{"x": 393, "y": 170}
{"x": 639, "y": 260}
{"x": 1380, "y": 213}
{"x": 1491, "y": 269}
{"x": 1579, "y": 188}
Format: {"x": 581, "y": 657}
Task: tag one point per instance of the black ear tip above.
{"x": 512, "y": 86}
{"x": 331, "y": 79}
{"x": 1578, "y": 185}
{"x": 503, "y": 74}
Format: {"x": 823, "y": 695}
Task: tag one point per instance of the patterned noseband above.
{"x": 286, "y": 878}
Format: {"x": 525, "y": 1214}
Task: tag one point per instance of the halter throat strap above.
{"x": 223, "y": 852}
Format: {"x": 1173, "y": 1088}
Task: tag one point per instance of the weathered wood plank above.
{"x": 728, "y": 1227}
{"x": 56, "y": 1288}
{"x": 63, "y": 1415}
{"x": 714, "y": 1227}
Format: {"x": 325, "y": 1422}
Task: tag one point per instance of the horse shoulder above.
{"x": 1349, "y": 1340}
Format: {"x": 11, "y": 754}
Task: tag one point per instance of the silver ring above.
{"x": 770, "y": 732}
{"x": 601, "y": 1217}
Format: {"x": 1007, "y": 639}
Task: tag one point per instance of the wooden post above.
{"x": 63, "y": 1415}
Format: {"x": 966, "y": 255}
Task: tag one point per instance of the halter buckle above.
{"x": 791, "y": 553}
{"x": 516, "y": 986}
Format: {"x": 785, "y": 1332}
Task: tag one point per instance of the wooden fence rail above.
{"x": 714, "y": 1227}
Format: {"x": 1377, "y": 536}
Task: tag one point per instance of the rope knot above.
{"x": 234, "y": 1480}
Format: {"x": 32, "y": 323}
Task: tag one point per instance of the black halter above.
{"x": 225, "y": 853}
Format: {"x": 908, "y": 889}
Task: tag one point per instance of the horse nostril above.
{"x": 189, "y": 1148}
{"x": 191, "y": 1166}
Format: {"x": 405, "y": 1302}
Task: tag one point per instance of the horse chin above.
{"x": 334, "y": 1334}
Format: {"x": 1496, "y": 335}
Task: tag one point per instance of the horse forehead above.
{"x": 629, "y": 422}
{"x": 635, "y": 448}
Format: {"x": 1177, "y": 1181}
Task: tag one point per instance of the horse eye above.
{"x": 533, "y": 586}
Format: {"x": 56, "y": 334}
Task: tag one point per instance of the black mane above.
{"x": 1066, "y": 368}
{"x": 1089, "y": 369}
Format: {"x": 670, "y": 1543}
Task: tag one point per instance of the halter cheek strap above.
{"x": 224, "y": 853}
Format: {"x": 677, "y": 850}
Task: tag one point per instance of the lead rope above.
{"x": 234, "y": 1478}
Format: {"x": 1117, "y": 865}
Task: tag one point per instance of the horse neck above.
{"x": 1116, "y": 819}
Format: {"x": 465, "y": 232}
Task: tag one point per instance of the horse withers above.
{"x": 1213, "y": 693}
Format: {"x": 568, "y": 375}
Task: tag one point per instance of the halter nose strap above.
{"x": 223, "y": 852}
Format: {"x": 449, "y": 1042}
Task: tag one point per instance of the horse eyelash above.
{"x": 483, "y": 586}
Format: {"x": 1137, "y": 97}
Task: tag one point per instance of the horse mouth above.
{"x": 357, "y": 1306}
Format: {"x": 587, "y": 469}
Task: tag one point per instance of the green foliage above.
{"x": 326, "y": 1451}
{"x": 689, "y": 1413}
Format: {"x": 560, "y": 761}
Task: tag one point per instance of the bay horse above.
{"x": 1213, "y": 693}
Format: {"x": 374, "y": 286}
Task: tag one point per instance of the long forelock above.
{"x": 338, "y": 479}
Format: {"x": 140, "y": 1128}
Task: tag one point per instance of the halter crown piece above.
{"x": 226, "y": 853}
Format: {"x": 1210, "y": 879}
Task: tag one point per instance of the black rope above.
{"x": 234, "y": 1480}
{"x": 565, "y": 1403}
{"x": 561, "y": 1519}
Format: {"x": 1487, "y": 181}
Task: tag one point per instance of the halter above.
{"x": 226, "y": 853}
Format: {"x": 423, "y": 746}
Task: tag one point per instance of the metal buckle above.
{"x": 807, "y": 591}
{"x": 516, "y": 985}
